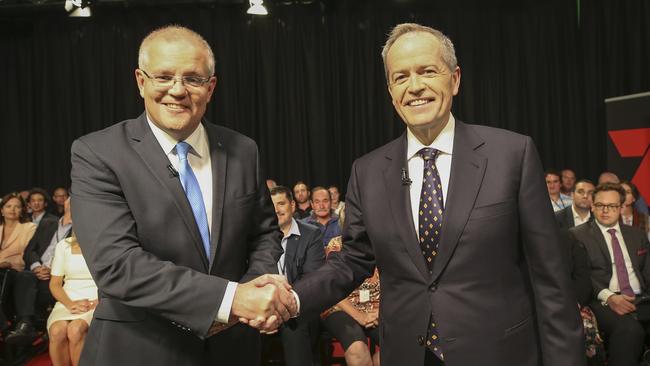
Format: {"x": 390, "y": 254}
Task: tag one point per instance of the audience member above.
{"x": 559, "y": 201}
{"x": 37, "y": 202}
{"x": 630, "y": 215}
{"x": 303, "y": 253}
{"x": 356, "y": 318}
{"x": 270, "y": 183}
{"x": 16, "y": 231}
{"x": 640, "y": 204}
{"x": 34, "y": 284}
{"x": 322, "y": 214}
{"x": 59, "y": 195}
{"x": 620, "y": 272}
{"x": 76, "y": 295}
{"x": 568, "y": 178}
{"x": 301, "y": 194}
{"x": 608, "y": 177}
{"x": 337, "y": 204}
{"x": 580, "y": 210}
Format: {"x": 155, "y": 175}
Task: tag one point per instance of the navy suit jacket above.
{"x": 499, "y": 289}
{"x": 304, "y": 253}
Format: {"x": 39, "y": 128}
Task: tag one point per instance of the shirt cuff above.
{"x": 34, "y": 265}
{"x": 226, "y": 303}
{"x": 295, "y": 295}
{"x": 604, "y": 294}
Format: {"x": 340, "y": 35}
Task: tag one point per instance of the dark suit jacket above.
{"x": 564, "y": 218}
{"x": 499, "y": 288}
{"x": 159, "y": 292}
{"x": 589, "y": 235}
{"x": 304, "y": 253}
{"x": 41, "y": 239}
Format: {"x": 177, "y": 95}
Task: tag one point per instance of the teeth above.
{"x": 174, "y": 106}
{"x": 418, "y": 102}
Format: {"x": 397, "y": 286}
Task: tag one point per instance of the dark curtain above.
{"x": 307, "y": 82}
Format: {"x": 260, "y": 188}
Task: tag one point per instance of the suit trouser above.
{"x": 625, "y": 335}
{"x": 432, "y": 360}
{"x": 29, "y": 291}
{"x": 300, "y": 340}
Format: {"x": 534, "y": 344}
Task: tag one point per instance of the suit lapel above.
{"x": 467, "y": 171}
{"x": 400, "y": 203}
{"x": 293, "y": 242}
{"x": 597, "y": 235}
{"x": 145, "y": 144}
{"x": 219, "y": 162}
{"x": 632, "y": 249}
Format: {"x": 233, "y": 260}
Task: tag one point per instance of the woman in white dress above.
{"x": 76, "y": 295}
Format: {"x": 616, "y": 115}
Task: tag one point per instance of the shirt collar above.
{"x": 576, "y": 215}
{"x": 444, "y": 142}
{"x": 198, "y": 140}
{"x": 294, "y": 229}
{"x": 605, "y": 228}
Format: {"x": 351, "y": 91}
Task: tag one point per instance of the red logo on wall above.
{"x": 634, "y": 143}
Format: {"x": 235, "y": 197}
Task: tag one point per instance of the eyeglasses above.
{"x": 168, "y": 81}
{"x": 601, "y": 207}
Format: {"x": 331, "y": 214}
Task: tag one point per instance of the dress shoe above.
{"x": 24, "y": 334}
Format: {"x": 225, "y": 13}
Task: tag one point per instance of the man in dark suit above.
{"x": 580, "y": 210}
{"x": 303, "y": 253}
{"x": 458, "y": 221}
{"x": 173, "y": 217}
{"x": 620, "y": 271}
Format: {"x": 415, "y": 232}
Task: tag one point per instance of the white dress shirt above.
{"x": 293, "y": 230}
{"x": 577, "y": 220}
{"x": 604, "y": 294}
{"x": 444, "y": 142}
{"x": 201, "y": 163}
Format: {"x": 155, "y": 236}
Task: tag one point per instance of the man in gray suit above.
{"x": 458, "y": 221}
{"x": 174, "y": 218}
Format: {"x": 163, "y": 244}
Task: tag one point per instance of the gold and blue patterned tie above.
{"x": 430, "y": 228}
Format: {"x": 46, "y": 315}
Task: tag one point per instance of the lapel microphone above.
{"x": 172, "y": 170}
{"x": 406, "y": 181}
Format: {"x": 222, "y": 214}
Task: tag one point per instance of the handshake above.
{"x": 263, "y": 303}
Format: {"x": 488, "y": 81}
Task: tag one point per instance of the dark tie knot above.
{"x": 428, "y": 153}
{"x": 182, "y": 148}
{"x": 612, "y": 231}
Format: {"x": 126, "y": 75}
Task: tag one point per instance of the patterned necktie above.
{"x": 193, "y": 192}
{"x": 621, "y": 268}
{"x": 430, "y": 227}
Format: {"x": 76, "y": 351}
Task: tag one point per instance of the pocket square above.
{"x": 642, "y": 251}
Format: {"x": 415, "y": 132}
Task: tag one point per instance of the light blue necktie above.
{"x": 193, "y": 193}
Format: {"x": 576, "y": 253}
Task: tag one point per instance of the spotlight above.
{"x": 257, "y": 7}
{"x": 78, "y": 8}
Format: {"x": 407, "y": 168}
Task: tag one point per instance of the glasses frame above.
{"x": 174, "y": 79}
{"x": 601, "y": 207}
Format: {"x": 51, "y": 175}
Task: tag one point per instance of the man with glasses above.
{"x": 176, "y": 223}
{"x": 580, "y": 210}
{"x": 620, "y": 273}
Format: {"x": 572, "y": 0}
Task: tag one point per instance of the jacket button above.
{"x": 421, "y": 340}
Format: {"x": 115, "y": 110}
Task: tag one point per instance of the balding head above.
{"x": 174, "y": 33}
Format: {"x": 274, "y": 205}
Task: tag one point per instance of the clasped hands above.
{"x": 263, "y": 303}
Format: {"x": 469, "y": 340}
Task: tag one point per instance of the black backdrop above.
{"x": 307, "y": 81}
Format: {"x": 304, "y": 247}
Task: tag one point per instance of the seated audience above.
{"x": 337, "y": 204}
{"x": 580, "y": 210}
{"x": 559, "y": 201}
{"x": 568, "y": 181}
{"x": 34, "y": 281}
{"x": 640, "y": 204}
{"x": 303, "y": 253}
{"x": 76, "y": 295}
{"x": 630, "y": 215}
{"x": 620, "y": 271}
{"x": 608, "y": 177}
{"x": 16, "y": 231}
{"x": 322, "y": 215}
{"x": 38, "y": 202}
{"x": 356, "y": 318}
{"x": 59, "y": 195}
{"x": 301, "y": 196}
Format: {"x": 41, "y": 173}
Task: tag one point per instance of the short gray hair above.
{"x": 448, "y": 50}
{"x": 171, "y": 33}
